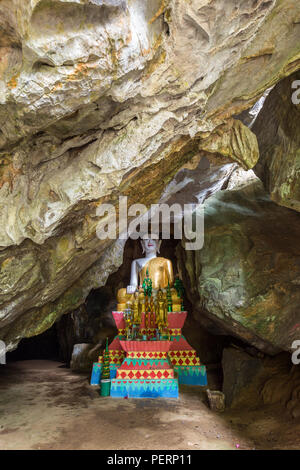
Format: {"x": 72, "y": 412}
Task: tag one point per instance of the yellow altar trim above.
{"x": 147, "y": 354}
{"x": 145, "y": 373}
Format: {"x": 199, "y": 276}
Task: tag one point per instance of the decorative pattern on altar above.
{"x": 151, "y": 368}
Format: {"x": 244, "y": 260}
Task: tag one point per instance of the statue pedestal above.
{"x": 146, "y": 371}
{"x": 151, "y": 368}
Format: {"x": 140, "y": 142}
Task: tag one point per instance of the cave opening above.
{"x": 78, "y": 337}
{"x": 44, "y": 347}
{"x": 75, "y": 341}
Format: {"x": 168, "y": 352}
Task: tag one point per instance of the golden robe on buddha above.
{"x": 160, "y": 271}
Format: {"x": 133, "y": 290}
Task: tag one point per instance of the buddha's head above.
{"x": 150, "y": 246}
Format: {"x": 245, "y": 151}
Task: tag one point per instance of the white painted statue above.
{"x": 159, "y": 270}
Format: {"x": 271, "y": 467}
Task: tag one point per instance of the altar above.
{"x": 149, "y": 356}
{"x": 151, "y": 368}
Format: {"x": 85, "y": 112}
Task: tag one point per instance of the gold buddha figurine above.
{"x": 128, "y": 318}
{"x": 160, "y": 310}
{"x": 159, "y": 269}
{"x": 136, "y": 313}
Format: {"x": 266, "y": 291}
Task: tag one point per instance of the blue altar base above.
{"x": 187, "y": 375}
{"x": 165, "y": 388}
{"x": 191, "y": 375}
{"x": 96, "y": 373}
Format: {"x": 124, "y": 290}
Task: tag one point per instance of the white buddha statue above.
{"x": 159, "y": 269}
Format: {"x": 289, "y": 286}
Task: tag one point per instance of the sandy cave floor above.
{"x": 44, "y": 405}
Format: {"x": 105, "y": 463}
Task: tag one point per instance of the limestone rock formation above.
{"x": 241, "y": 372}
{"x": 101, "y": 98}
{"x": 250, "y": 381}
{"x": 277, "y": 129}
{"x": 246, "y": 277}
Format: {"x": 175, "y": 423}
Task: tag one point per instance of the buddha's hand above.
{"x": 131, "y": 289}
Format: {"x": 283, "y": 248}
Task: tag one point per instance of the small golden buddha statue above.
{"x": 159, "y": 269}
{"x": 136, "y": 312}
{"x": 161, "y": 309}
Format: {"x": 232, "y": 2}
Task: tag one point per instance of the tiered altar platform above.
{"x": 146, "y": 371}
{"x": 154, "y": 367}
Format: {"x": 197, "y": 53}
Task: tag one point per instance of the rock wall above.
{"x": 252, "y": 381}
{"x": 277, "y": 130}
{"x": 101, "y": 98}
{"x": 246, "y": 277}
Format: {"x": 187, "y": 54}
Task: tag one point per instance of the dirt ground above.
{"x": 44, "y": 405}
